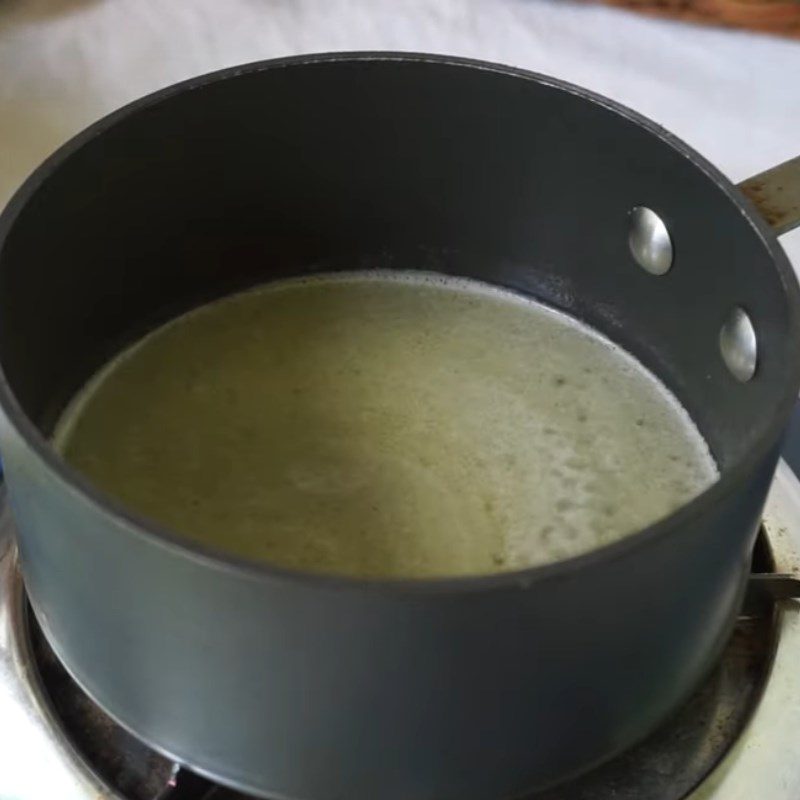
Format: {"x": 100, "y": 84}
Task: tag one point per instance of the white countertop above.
{"x": 734, "y": 96}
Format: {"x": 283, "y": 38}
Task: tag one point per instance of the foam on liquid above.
{"x": 386, "y": 424}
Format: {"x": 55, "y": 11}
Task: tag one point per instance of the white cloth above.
{"x": 732, "y": 95}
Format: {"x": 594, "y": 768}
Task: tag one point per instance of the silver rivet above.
{"x": 738, "y": 345}
{"x": 649, "y": 241}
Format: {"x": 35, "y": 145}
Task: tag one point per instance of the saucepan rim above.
{"x": 731, "y": 479}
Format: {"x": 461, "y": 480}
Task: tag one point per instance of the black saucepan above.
{"x": 313, "y": 688}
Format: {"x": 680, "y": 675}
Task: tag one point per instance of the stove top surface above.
{"x": 737, "y": 738}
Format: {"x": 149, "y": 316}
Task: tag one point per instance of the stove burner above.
{"x": 122, "y": 761}
{"x": 56, "y": 743}
{"x": 667, "y": 766}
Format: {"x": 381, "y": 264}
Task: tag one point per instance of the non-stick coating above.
{"x": 315, "y": 688}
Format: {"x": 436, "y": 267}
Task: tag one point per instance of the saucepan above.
{"x": 310, "y": 687}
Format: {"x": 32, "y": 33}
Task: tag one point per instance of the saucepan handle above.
{"x": 776, "y": 194}
{"x": 766, "y": 588}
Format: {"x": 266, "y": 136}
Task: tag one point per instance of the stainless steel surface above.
{"x": 649, "y": 241}
{"x": 38, "y": 761}
{"x": 738, "y": 345}
{"x": 776, "y": 194}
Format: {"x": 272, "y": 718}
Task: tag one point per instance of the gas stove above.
{"x": 737, "y": 738}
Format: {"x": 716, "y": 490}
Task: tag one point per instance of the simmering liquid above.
{"x": 386, "y": 424}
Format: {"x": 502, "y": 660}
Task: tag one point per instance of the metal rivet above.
{"x": 738, "y": 345}
{"x": 649, "y": 241}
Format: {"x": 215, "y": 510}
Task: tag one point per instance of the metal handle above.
{"x": 776, "y": 194}
{"x": 766, "y": 588}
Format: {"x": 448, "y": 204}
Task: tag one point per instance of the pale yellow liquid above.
{"x": 386, "y": 425}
